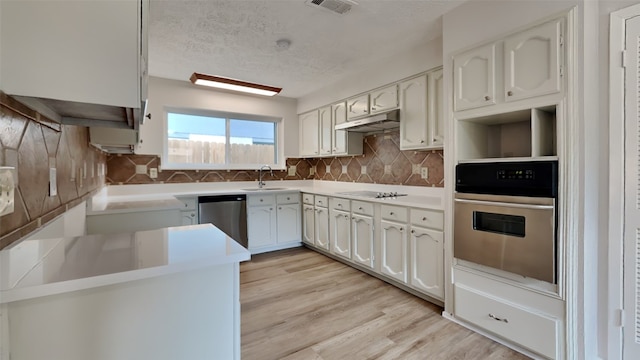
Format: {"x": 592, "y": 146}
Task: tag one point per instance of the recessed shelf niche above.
{"x": 529, "y": 133}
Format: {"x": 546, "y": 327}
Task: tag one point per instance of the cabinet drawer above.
{"x": 292, "y": 198}
{"x": 189, "y": 203}
{"x": 340, "y": 204}
{"x": 427, "y": 218}
{"x": 307, "y": 199}
{"x": 534, "y": 331}
{"x": 364, "y": 208}
{"x": 261, "y": 200}
{"x": 394, "y": 213}
{"x": 321, "y": 201}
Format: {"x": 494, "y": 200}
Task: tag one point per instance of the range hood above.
{"x": 378, "y": 122}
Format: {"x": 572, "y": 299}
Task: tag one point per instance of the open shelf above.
{"x": 529, "y": 133}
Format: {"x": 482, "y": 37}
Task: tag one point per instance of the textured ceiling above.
{"x": 237, "y": 38}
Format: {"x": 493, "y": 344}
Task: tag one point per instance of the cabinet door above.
{"x": 309, "y": 137}
{"x": 413, "y": 113}
{"x": 427, "y": 261}
{"x": 308, "y": 230}
{"x": 362, "y": 234}
{"x": 325, "y": 130}
{"x": 322, "y": 228}
{"x": 339, "y": 116}
{"x": 532, "y": 62}
{"x": 288, "y": 223}
{"x": 474, "y": 78}
{"x": 189, "y": 217}
{"x": 384, "y": 99}
{"x": 340, "y": 233}
{"x": 358, "y": 106}
{"x": 393, "y": 255}
{"x": 261, "y": 226}
{"x": 436, "y": 108}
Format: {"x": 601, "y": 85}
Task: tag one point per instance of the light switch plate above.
{"x": 424, "y": 172}
{"x": 7, "y": 192}
{"x": 153, "y": 173}
{"x": 53, "y": 184}
{"x": 292, "y": 170}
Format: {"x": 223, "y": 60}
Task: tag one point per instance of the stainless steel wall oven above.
{"x": 505, "y": 217}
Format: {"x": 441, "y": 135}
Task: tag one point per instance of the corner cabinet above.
{"x": 421, "y": 112}
{"x": 85, "y": 52}
{"x": 525, "y": 65}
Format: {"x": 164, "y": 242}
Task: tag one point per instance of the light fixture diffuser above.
{"x": 233, "y": 84}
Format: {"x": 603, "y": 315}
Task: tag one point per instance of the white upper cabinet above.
{"x": 325, "y": 130}
{"x": 357, "y": 106}
{"x": 436, "y": 108}
{"x": 91, "y": 52}
{"x": 474, "y": 78}
{"x": 413, "y": 113}
{"x": 309, "y": 136}
{"x": 384, "y": 99}
{"x": 339, "y": 114}
{"x": 532, "y": 61}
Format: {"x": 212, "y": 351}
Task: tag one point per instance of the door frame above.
{"x": 615, "y": 300}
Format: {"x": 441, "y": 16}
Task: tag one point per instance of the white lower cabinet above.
{"x": 527, "y": 318}
{"x": 340, "y": 227}
{"x": 308, "y": 228}
{"x": 189, "y": 213}
{"x": 393, "y": 250}
{"x": 362, "y": 233}
{"x": 273, "y": 222}
{"x": 427, "y": 261}
{"x": 321, "y": 222}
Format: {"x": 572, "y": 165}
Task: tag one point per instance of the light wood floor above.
{"x": 298, "y": 304}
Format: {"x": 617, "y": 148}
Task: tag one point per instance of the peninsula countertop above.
{"x": 35, "y": 268}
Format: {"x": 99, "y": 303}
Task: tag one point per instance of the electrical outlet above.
{"x": 7, "y": 186}
{"x": 153, "y": 173}
{"x": 312, "y": 171}
{"x": 424, "y": 172}
{"x": 292, "y": 170}
{"x": 53, "y": 185}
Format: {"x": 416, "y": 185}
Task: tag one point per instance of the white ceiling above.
{"x": 237, "y": 38}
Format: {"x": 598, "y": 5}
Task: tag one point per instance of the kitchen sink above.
{"x": 264, "y": 189}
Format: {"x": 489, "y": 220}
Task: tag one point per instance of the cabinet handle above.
{"x": 346, "y": 216}
{"x": 280, "y": 208}
{"x": 288, "y": 198}
{"x": 509, "y": 93}
{"x": 360, "y": 208}
{"x": 487, "y": 97}
{"x": 340, "y": 205}
{"x": 424, "y": 219}
{"x": 148, "y": 116}
{"x": 421, "y": 141}
{"x": 193, "y": 215}
{"x": 401, "y": 229}
{"x": 504, "y": 320}
{"x": 270, "y": 209}
{"x": 434, "y": 139}
{"x": 413, "y": 231}
{"x": 261, "y": 200}
{"x": 365, "y": 110}
{"x": 373, "y": 109}
{"x": 391, "y": 213}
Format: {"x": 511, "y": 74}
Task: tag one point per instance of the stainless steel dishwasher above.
{"x": 227, "y": 212}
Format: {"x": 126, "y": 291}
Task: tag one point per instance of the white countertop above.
{"x": 128, "y": 198}
{"x": 35, "y": 268}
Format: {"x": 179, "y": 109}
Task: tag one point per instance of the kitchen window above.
{"x": 219, "y": 140}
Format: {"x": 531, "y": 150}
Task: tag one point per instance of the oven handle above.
{"x": 512, "y": 205}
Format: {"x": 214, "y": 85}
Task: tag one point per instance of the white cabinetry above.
{"x": 85, "y": 52}
{"x": 522, "y": 66}
{"x": 308, "y": 216}
{"x": 321, "y": 221}
{"x": 340, "y": 227}
{"x": 393, "y": 242}
{"x": 325, "y": 130}
{"x": 421, "y": 113}
{"x": 532, "y": 62}
{"x": 344, "y": 142}
{"x": 189, "y": 213}
{"x": 384, "y": 99}
{"x": 362, "y": 233}
{"x": 427, "y": 252}
{"x": 273, "y": 222}
{"x": 474, "y": 77}
{"x": 357, "y": 106}
{"x": 309, "y": 136}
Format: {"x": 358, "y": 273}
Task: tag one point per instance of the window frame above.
{"x": 277, "y": 121}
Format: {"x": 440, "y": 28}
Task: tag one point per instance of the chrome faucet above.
{"x": 260, "y": 182}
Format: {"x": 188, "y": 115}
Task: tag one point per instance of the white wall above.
{"x": 182, "y": 94}
{"x": 396, "y": 67}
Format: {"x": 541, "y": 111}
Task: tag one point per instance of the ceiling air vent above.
{"x": 337, "y": 6}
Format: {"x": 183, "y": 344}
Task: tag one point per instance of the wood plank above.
{"x": 301, "y": 305}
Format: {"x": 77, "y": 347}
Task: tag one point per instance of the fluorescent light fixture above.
{"x": 232, "y": 84}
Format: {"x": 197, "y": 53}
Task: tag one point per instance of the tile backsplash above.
{"x": 33, "y": 144}
{"x": 382, "y": 162}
